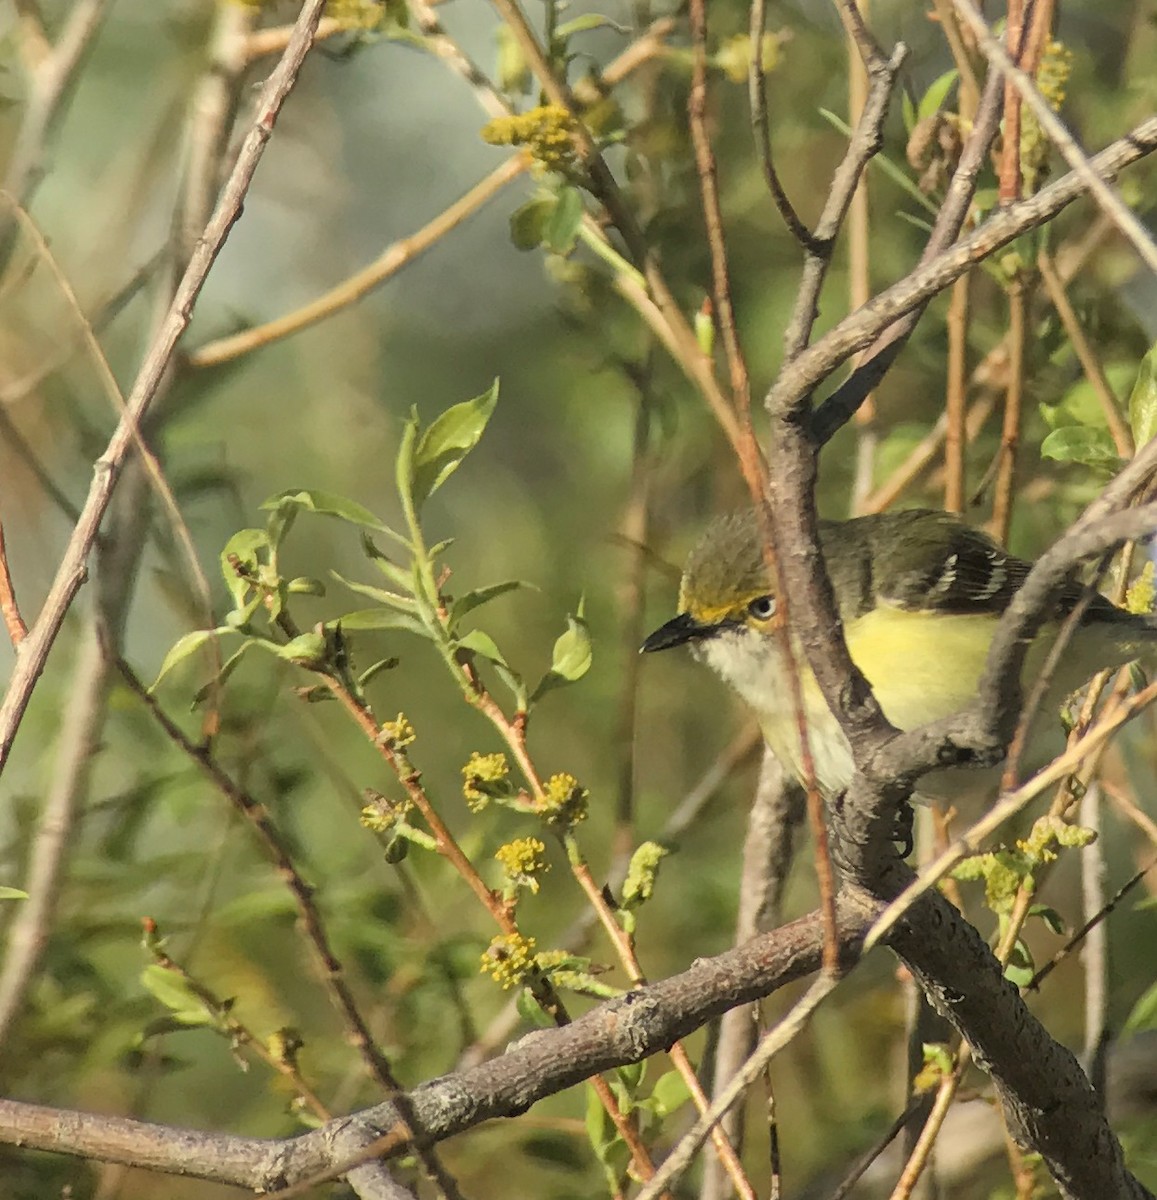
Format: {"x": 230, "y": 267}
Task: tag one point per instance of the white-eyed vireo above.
{"x": 920, "y": 594}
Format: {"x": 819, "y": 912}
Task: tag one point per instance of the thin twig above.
{"x": 356, "y": 287}
{"x": 71, "y": 572}
{"x": 52, "y": 79}
{"x": 792, "y": 1024}
{"x": 761, "y": 127}
{"x": 1084, "y": 167}
{"x": 1086, "y": 355}
{"x": 13, "y": 621}
{"x": 1005, "y": 488}
{"x": 954, "y": 407}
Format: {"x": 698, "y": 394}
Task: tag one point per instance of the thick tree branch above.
{"x": 632, "y": 1028}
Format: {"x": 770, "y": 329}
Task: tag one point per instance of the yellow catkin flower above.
{"x": 1054, "y": 72}
{"x": 381, "y": 814}
{"x": 509, "y": 959}
{"x": 398, "y": 734}
{"x": 484, "y": 777}
{"x": 1142, "y": 591}
{"x": 565, "y": 801}
{"x": 546, "y": 131}
{"x": 523, "y": 860}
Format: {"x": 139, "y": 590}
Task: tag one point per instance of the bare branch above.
{"x": 1084, "y": 167}
{"x": 72, "y": 570}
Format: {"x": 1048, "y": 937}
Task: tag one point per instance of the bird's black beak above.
{"x": 678, "y": 630}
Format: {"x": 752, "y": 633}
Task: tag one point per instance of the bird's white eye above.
{"x": 762, "y": 608}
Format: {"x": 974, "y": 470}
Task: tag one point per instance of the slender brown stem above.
{"x": 761, "y": 126}
{"x": 1010, "y": 175}
{"x": 954, "y": 410}
{"x": 1086, "y": 355}
{"x": 13, "y": 621}
{"x": 1010, "y": 429}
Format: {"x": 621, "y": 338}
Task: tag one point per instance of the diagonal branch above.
{"x": 72, "y": 570}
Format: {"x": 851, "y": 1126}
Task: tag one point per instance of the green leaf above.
{"x": 303, "y": 585}
{"x": 399, "y": 576}
{"x": 571, "y": 658}
{"x": 583, "y": 24}
{"x": 482, "y": 643}
{"x": 383, "y": 664}
{"x": 328, "y": 504}
{"x": 1143, "y": 400}
{"x": 933, "y": 99}
{"x": 1081, "y": 444}
{"x": 404, "y": 465}
{"x": 227, "y": 669}
{"x": 1050, "y": 916}
{"x": 242, "y": 549}
{"x": 1021, "y": 967}
{"x": 447, "y": 442}
{"x": 669, "y": 1093}
{"x": 176, "y": 994}
{"x": 185, "y": 646}
{"x": 11, "y": 893}
{"x": 379, "y": 618}
{"x": 562, "y": 226}
{"x": 390, "y": 599}
{"x": 480, "y": 596}
{"x": 1144, "y": 1013}
{"x": 528, "y": 224}
{"x": 908, "y": 111}
{"x": 307, "y": 649}
{"x": 531, "y": 1011}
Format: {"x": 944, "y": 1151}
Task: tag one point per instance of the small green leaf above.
{"x": 1143, "y": 400}
{"x": 571, "y": 658}
{"x": 669, "y": 1093}
{"x": 404, "y": 465}
{"x": 227, "y": 669}
{"x": 1081, "y": 444}
{"x": 562, "y": 226}
{"x": 307, "y": 649}
{"x": 583, "y": 24}
{"x": 390, "y": 599}
{"x": 1021, "y": 967}
{"x": 11, "y": 893}
{"x": 933, "y": 99}
{"x": 1144, "y": 1013}
{"x": 908, "y": 111}
{"x": 528, "y": 224}
{"x": 482, "y": 643}
{"x": 303, "y": 585}
{"x": 189, "y": 644}
{"x": 531, "y": 1011}
{"x": 480, "y": 596}
{"x": 449, "y": 439}
{"x": 242, "y": 550}
{"x": 1050, "y": 916}
{"x": 399, "y": 576}
{"x": 175, "y": 993}
{"x": 327, "y": 504}
{"x": 379, "y": 618}
{"x": 383, "y": 664}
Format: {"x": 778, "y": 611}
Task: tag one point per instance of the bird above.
{"x": 920, "y": 593}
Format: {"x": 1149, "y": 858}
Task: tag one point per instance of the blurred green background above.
{"x": 378, "y": 138}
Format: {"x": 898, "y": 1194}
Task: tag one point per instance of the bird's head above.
{"x": 726, "y": 589}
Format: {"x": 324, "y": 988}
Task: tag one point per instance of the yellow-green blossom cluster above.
{"x": 381, "y": 814}
{"x": 546, "y": 131}
{"x": 1052, "y": 78}
{"x": 509, "y": 959}
{"x": 1048, "y": 832}
{"x": 1142, "y": 591}
{"x": 523, "y": 860}
{"x": 484, "y": 777}
{"x": 564, "y": 800}
{"x": 397, "y": 734}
